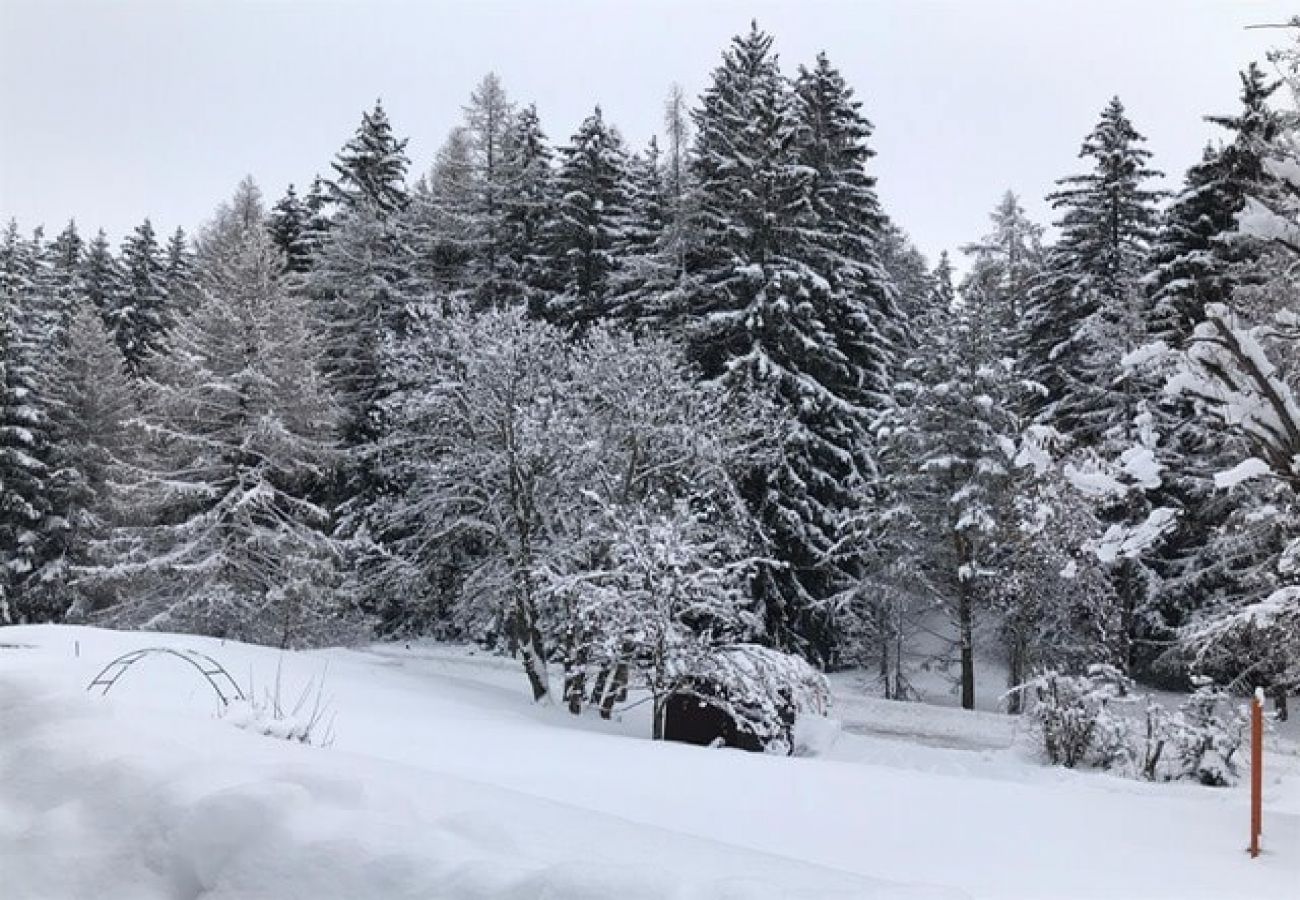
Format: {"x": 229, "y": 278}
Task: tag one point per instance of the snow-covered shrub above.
{"x": 1205, "y": 735}
{"x": 1076, "y": 718}
{"x": 1098, "y": 720}
{"x": 761, "y": 690}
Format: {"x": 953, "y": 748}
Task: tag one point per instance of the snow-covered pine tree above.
{"x": 179, "y": 276}
{"x": 1193, "y": 260}
{"x": 64, "y": 287}
{"x": 526, "y": 208}
{"x": 24, "y": 439}
{"x": 90, "y": 397}
{"x": 646, "y": 270}
{"x": 1086, "y": 311}
{"x": 360, "y": 273}
{"x": 101, "y": 276}
{"x": 1197, "y": 261}
{"x": 140, "y": 316}
{"x": 589, "y": 229}
{"x": 370, "y": 169}
{"x": 241, "y": 437}
{"x": 289, "y": 226}
{"x": 761, "y": 317}
{"x": 861, "y": 313}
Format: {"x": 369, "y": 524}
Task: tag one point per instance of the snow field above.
{"x": 444, "y": 781}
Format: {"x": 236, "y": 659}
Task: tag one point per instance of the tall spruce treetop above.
{"x": 371, "y": 167}
{"x": 1195, "y": 261}
{"x": 1085, "y": 311}
{"x": 101, "y": 276}
{"x": 288, "y": 224}
{"x": 1109, "y": 215}
{"x": 591, "y": 221}
{"x": 526, "y": 208}
{"x": 140, "y": 315}
{"x": 832, "y": 141}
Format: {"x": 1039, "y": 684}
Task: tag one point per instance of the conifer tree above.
{"x": 1086, "y": 312}
{"x": 762, "y": 317}
{"x": 179, "y": 276}
{"x": 140, "y": 316}
{"x": 1194, "y": 260}
{"x": 590, "y": 225}
{"x": 527, "y": 207}
{"x": 90, "y": 398}
{"x": 488, "y": 119}
{"x": 64, "y": 263}
{"x": 371, "y": 168}
{"x": 242, "y": 437}
{"x": 24, "y": 440}
{"x": 101, "y": 276}
{"x": 288, "y": 226}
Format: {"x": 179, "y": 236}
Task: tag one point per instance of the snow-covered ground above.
{"x": 444, "y": 781}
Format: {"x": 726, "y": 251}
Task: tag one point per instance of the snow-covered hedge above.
{"x": 1099, "y": 720}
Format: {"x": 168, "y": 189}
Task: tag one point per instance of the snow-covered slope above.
{"x": 443, "y": 781}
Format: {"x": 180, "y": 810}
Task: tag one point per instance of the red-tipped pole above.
{"x": 1256, "y": 770}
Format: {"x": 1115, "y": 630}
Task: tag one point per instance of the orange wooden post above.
{"x": 1256, "y": 769}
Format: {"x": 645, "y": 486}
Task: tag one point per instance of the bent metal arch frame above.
{"x": 212, "y": 671}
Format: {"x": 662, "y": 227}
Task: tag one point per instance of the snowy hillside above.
{"x": 444, "y": 781}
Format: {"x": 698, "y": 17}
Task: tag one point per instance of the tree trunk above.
{"x": 966, "y": 627}
{"x": 660, "y": 706}
{"x": 617, "y": 691}
{"x": 531, "y": 651}
{"x": 1279, "y": 702}
{"x": 1015, "y": 674}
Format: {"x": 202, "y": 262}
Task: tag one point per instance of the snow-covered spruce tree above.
{"x": 101, "y": 276}
{"x": 1194, "y": 261}
{"x": 90, "y": 397}
{"x": 761, "y": 317}
{"x": 526, "y": 208}
{"x": 24, "y": 441}
{"x": 1086, "y": 312}
{"x": 589, "y": 229}
{"x": 522, "y": 456}
{"x": 289, "y": 229}
{"x": 358, "y": 287}
{"x": 1197, "y": 261}
{"x": 226, "y": 538}
{"x": 179, "y": 276}
{"x": 861, "y": 314}
{"x": 646, "y": 270}
{"x": 966, "y": 435}
{"x": 64, "y": 284}
{"x": 140, "y": 315}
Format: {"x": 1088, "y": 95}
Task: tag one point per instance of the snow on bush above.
{"x": 764, "y": 691}
{"x": 1097, "y": 719}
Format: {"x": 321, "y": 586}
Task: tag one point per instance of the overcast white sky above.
{"x": 115, "y": 110}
